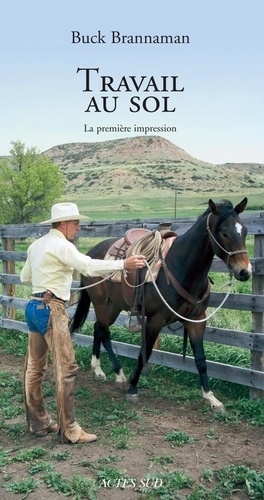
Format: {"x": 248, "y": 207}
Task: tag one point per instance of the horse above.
{"x": 220, "y": 232}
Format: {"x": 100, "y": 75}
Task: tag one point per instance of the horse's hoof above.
{"x": 120, "y": 377}
{"x": 145, "y": 369}
{"x": 218, "y": 410}
{"x": 132, "y": 398}
{"x": 100, "y": 377}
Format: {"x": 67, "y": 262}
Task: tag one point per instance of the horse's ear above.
{"x": 240, "y": 207}
{"x": 212, "y": 206}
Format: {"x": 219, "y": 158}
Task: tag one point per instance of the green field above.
{"x": 161, "y": 205}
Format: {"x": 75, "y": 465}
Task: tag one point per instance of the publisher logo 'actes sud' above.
{"x": 117, "y": 37}
{"x": 123, "y": 483}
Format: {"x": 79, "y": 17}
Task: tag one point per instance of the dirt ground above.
{"x": 236, "y": 444}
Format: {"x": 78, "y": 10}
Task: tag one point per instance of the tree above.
{"x": 29, "y": 184}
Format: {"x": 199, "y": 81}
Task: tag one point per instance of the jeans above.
{"x": 37, "y": 316}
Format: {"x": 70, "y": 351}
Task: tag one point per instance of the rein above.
{"x": 93, "y": 284}
{"x": 229, "y": 283}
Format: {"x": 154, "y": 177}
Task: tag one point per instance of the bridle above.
{"x": 230, "y": 254}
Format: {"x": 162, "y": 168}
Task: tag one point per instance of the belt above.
{"x": 53, "y": 296}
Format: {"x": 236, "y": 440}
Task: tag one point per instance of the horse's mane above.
{"x": 225, "y": 208}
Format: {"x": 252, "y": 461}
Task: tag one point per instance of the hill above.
{"x": 147, "y": 163}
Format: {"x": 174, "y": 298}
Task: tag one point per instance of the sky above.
{"x": 218, "y": 117}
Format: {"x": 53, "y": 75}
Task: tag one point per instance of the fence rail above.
{"x": 252, "y": 377}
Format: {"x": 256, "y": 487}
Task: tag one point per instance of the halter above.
{"x": 230, "y": 254}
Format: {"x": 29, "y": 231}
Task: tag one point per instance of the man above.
{"x": 49, "y": 267}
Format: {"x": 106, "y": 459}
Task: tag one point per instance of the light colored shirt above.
{"x": 51, "y": 261}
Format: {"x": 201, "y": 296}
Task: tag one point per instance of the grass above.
{"x": 178, "y": 438}
{"x": 159, "y": 204}
{"x": 121, "y": 424}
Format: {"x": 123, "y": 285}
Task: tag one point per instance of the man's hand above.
{"x": 134, "y": 262}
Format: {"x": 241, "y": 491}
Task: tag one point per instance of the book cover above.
{"x": 178, "y": 76}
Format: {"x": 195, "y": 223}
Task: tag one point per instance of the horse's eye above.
{"x": 224, "y": 234}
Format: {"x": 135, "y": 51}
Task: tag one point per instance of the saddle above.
{"x": 120, "y": 247}
{"x": 154, "y": 245}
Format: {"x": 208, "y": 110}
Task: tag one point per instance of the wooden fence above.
{"x": 252, "y": 377}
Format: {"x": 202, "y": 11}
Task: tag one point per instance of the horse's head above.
{"x": 228, "y": 236}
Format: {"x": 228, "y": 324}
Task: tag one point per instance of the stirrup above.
{"x": 133, "y": 322}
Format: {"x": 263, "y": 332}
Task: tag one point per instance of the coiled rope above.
{"x": 149, "y": 245}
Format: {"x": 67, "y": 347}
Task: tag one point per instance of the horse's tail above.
{"x": 81, "y": 312}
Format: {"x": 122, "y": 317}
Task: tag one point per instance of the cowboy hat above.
{"x": 64, "y": 212}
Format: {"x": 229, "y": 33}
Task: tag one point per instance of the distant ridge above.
{"x": 126, "y": 151}
{"x": 150, "y": 163}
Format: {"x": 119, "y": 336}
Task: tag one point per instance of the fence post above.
{"x": 257, "y": 357}
{"x": 8, "y": 244}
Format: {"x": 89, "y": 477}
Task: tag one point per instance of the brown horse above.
{"x": 218, "y": 231}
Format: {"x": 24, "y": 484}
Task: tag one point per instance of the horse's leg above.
{"x": 106, "y": 341}
{"x": 151, "y": 336}
{"x": 102, "y": 337}
{"x": 196, "y": 335}
{"x": 95, "y": 363}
